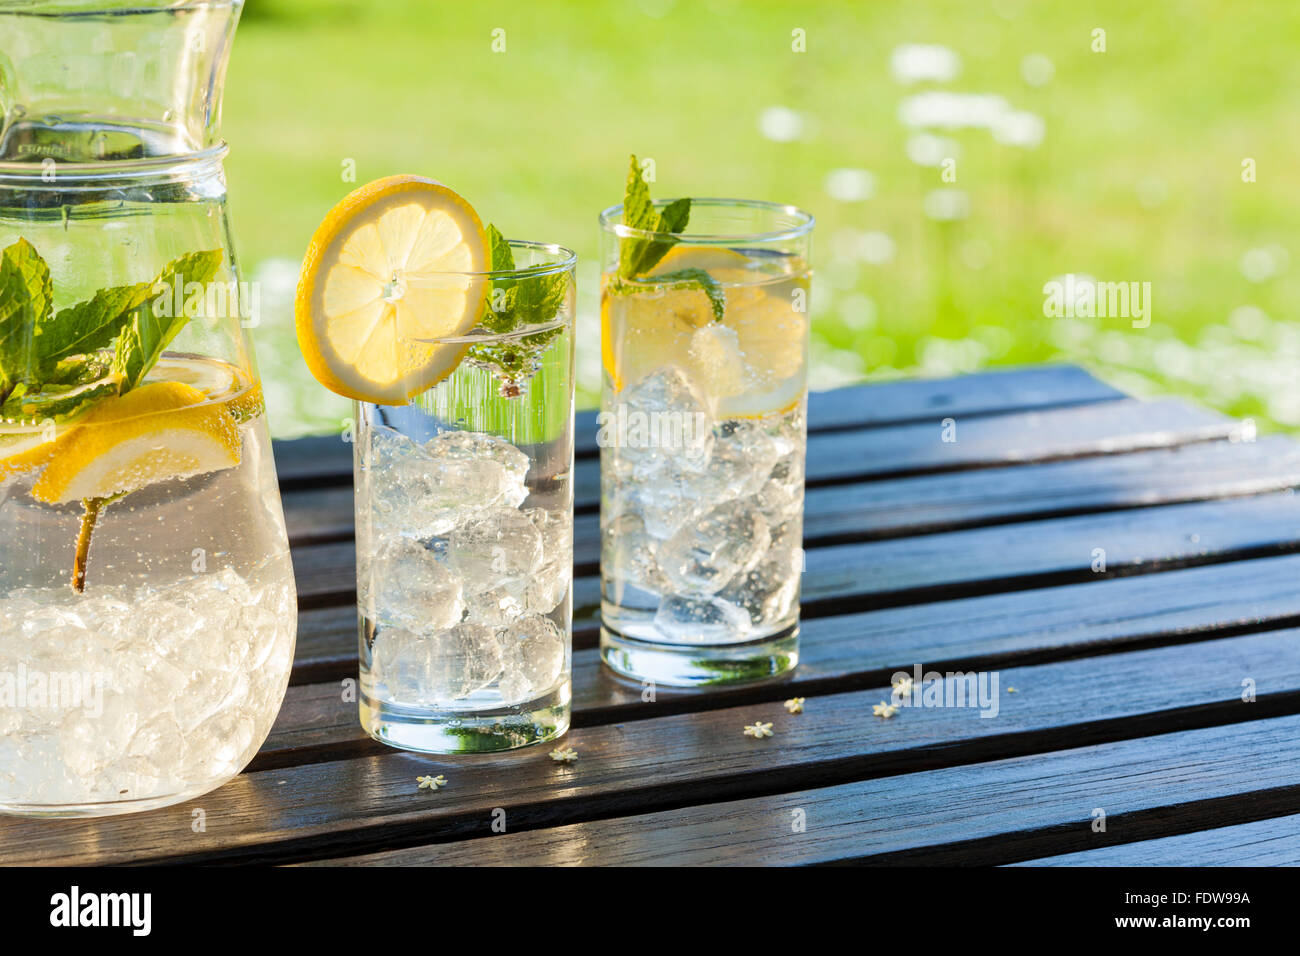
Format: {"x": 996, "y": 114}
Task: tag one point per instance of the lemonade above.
{"x": 704, "y": 346}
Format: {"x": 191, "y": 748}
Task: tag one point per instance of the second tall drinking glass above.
{"x": 464, "y": 524}
{"x": 702, "y": 445}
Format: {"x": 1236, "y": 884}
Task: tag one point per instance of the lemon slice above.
{"x": 384, "y": 282}
{"x": 159, "y": 431}
{"x": 218, "y": 381}
{"x": 23, "y": 450}
{"x": 751, "y": 364}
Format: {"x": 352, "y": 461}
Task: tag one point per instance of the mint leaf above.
{"x": 503, "y": 258}
{"x": 86, "y": 327}
{"x": 147, "y": 333}
{"x": 517, "y": 302}
{"x": 26, "y": 297}
{"x": 702, "y": 280}
{"x": 56, "y": 402}
{"x": 77, "y": 370}
{"x": 499, "y": 312}
{"x": 637, "y": 256}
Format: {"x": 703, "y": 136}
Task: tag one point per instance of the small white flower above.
{"x": 1037, "y": 69}
{"x": 1021, "y": 129}
{"x": 794, "y": 705}
{"x": 431, "y": 783}
{"x": 927, "y": 149}
{"x": 915, "y": 62}
{"x": 564, "y": 755}
{"x": 946, "y": 205}
{"x": 758, "y": 729}
{"x": 944, "y": 110}
{"x": 781, "y": 124}
{"x": 850, "y": 185}
{"x": 883, "y": 709}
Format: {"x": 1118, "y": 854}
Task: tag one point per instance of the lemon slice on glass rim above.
{"x": 392, "y": 277}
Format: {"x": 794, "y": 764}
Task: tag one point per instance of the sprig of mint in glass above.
{"x": 517, "y": 303}
{"x": 637, "y": 255}
{"x": 55, "y": 365}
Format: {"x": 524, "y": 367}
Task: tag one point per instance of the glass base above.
{"x": 109, "y": 808}
{"x": 429, "y": 731}
{"x": 701, "y": 665}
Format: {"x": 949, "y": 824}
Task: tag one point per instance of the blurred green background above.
{"x": 1123, "y": 165}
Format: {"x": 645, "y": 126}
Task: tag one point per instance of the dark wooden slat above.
{"x": 988, "y": 813}
{"x": 995, "y": 392}
{"x": 950, "y": 501}
{"x": 337, "y": 806}
{"x": 325, "y": 459}
{"x": 1273, "y": 842}
{"x": 861, "y": 650}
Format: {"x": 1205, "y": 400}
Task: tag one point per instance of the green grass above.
{"x": 1137, "y": 179}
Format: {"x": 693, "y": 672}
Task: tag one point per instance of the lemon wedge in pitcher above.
{"x": 159, "y": 431}
{"x": 388, "y": 278}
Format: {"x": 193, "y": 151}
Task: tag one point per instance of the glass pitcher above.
{"x": 147, "y": 606}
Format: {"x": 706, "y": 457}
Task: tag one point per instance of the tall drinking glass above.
{"x": 464, "y": 528}
{"x": 702, "y": 445}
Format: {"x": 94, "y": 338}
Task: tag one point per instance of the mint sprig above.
{"x": 701, "y": 280}
{"x": 516, "y": 303}
{"x": 55, "y": 365}
{"x": 86, "y": 327}
{"x": 637, "y": 255}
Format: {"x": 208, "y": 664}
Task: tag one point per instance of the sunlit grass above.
{"x": 1138, "y": 177}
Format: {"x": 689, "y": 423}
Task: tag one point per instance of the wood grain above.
{"x": 988, "y": 813}
{"x": 1273, "y": 842}
{"x": 861, "y": 650}
{"x": 370, "y": 802}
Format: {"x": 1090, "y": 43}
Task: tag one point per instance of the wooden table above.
{"x": 1129, "y": 568}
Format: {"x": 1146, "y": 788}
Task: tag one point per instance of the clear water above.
{"x": 702, "y": 473}
{"x": 705, "y": 550}
{"x": 464, "y": 523}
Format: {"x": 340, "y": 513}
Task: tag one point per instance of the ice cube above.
{"x": 727, "y": 541}
{"x": 473, "y": 448}
{"x": 659, "y": 422}
{"x": 493, "y": 547}
{"x": 741, "y": 461}
{"x": 770, "y": 590}
{"x": 556, "y": 532}
{"x": 628, "y": 560}
{"x": 423, "y": 490}
{"x": 436, "y": 668}
{"x": 532, "y": 653}
{"x": 405, "y": 584}
{"x": 710, "y": 620}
